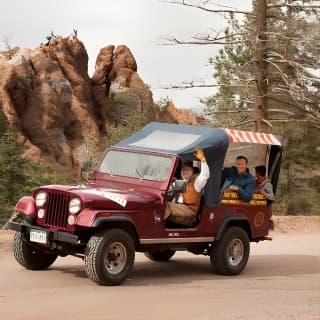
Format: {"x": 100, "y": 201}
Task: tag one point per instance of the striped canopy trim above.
{"x": 252, "y": 137}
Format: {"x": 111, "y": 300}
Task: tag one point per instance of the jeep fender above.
{"x": 117, "y": 221}
{"x": 238, "y": 220}
{"x": 27, "y": 206}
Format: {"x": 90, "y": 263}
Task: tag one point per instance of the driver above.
{"x": 183, "y": 209}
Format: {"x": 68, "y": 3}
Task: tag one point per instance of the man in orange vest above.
{"x": 184, "y": 209}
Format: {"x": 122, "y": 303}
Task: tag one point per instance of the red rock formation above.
{"x": 46, "y": 96}
{"x": 180, "y": 116}
{"x": 49, "y": 100}
{"x": 52, "y": 104}
{"x": 116, "y": 72}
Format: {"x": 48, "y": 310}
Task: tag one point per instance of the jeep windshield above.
{"x": 135, "y": 165}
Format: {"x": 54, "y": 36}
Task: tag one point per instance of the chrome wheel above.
{"x": 235, "y": 252}
{"x": 230, "y": 254}
{"x": 109, "y": 257}
{"x": 116, "y": 257}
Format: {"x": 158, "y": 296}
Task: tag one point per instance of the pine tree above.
{"x": 292, "y": 95}
{"x": 19, "y": 176}
{"x": 3, "y": 122}
{"x": 232, "y": 105}
{"x": 13, "y": 178}
{"x": 284, "y": 52}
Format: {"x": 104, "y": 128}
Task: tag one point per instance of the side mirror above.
{"x": 179, "y": 186}
{"x": 85, "y": 166}
{"x": 84, "y": 171}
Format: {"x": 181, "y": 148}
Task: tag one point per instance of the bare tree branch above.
{"x": 300, "y": 100}
{"x": 230, "y": 111}
{"x": 217, "y": 37}
{"x": 316, "y": 123}
{"x": 243, "y": 122}
{"x": 297, "y": 65}
{"x": 276, "y": 120}
{"x": 174, "y": 41}
{"x": 283, "y": 75}
{"x": 275, "y": 17}
{"x": 288, "y": 5}
{"x": 298, "y": 104}
{"x": 193, "y": 84}
{"x": 271, "y": 97}
{"x": 276, "y": 75}
{"x": 186, "y": 4}
{"x": 237, "y": 100}
{"x": 282, "y": 111}
{"x": 300, "y": 39}
{"x": 267, "y": 122}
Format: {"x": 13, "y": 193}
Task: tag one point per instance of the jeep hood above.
{"x": 104, "y": 198}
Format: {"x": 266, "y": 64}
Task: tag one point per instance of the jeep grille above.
{"x": 57, "y": 210}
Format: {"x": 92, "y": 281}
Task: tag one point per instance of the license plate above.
{"x": 38, "y": 236}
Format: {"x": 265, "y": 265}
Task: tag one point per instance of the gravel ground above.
{"x": 281, "y": 281}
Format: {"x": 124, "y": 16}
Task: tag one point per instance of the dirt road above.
{"x": 281, "y": 281}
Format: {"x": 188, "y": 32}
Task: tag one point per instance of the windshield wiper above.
{"x": 139, "y": 174}
{"x": 110, "y": 172}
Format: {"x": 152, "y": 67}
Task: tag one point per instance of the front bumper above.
{"x": 52, "y": 235}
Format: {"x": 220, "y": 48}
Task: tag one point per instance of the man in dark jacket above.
{"x": 239, "y": 179}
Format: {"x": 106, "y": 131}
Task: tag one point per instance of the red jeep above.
{"x": 120, "y": 210}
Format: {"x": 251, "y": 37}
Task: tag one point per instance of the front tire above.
{"x": 109, "y": 257}
{"x": 30, "y": 257}
{"x": 158, "y": 255}
{"x": 230, "y": 254}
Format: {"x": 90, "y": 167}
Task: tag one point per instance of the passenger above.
{"x": 263, "y": 184}
{"x": 50, "y": 37}
{"x": 239, "y": 179}
{"x": 184, "y": 209}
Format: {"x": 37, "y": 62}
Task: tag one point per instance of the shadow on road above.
{"x": 184, "y": 270}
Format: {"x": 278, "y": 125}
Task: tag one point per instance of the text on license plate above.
{"x": 38, "y": 236}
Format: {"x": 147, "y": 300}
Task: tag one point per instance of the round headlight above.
{"x": 71, "y": 220}
{"x": 41, "y": 213}
{"x": 41, "y": 199}
{"x": 74, "y": 205}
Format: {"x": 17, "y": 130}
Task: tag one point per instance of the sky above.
{"x": 142, "y": 25}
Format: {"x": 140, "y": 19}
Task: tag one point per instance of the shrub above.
{"x": 299, "y": 206}
{"x": 19, "y": 176}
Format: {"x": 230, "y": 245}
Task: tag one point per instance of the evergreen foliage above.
{"x": 132, "y": 113}
{"x": 299, "y": 190}
{"x": 3, "y": 122}
{"x": 18, "y": 175}
{"x": 13, "y": 180}
{"x": 232, "y": 103}
{"x": 293, "y": 96}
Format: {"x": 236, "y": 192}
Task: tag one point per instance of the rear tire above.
{"x": 30, "y": 257}
{"x": 158, "y": 255}
{"x": 109, "y": 257}
{"x": 230, "y": 254}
